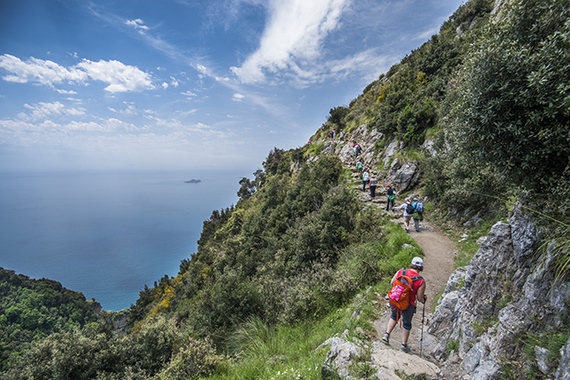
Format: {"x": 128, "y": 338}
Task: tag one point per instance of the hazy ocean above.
{"x": 106, "y": 234}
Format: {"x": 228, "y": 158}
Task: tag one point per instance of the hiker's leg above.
{"x": 405, "y": 336}
{"x": 393, "y": 320}
{"x": 391, "y": 324}
{"x": 407, "y": 316}
{"x": 417, "y": 224}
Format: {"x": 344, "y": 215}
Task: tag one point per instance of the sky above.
{"x": 188, "y": 84}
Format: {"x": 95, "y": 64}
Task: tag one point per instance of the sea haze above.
{"x": 106, "y": 234}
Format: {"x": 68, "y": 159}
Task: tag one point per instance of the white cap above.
{"x": 417, "y": 261}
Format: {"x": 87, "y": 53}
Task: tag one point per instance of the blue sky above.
{"x": 187, "y": 84}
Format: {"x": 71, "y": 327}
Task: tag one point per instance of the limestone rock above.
{"x": 502, "y": 295}
{"x": 563, "y": 371}
{"x": 339, "y": 358}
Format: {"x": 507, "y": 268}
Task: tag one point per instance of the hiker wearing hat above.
{"x": 391, "y": 198}
{"x": 417, "y": 293}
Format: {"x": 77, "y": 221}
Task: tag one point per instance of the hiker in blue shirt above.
{"x": 418, "y": 214}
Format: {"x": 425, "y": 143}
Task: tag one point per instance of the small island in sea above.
{"x": 193, "y": 181}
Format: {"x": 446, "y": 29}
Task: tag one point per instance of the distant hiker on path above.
{"x": 365, "y": 179}
{"x": 418, "y": 214}
{"x": 341, "y": 135}
{"x": 359, "y": 166}
{"x": 391, "y": 198}
{"x": 408, "y": 211}
{"x": 372, "y": 187}
{"x": 417, "y": 292}
{"x": 357, "y": 149}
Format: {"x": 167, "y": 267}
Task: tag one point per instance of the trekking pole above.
{"x": 422, "y": 335}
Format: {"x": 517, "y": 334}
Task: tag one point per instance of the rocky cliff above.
{"x": 496, "y": 312}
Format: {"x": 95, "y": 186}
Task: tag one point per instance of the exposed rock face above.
{"x": 340, "y": 357}
{"x": 505, "y": 291}
{"x": 401, "y": 175}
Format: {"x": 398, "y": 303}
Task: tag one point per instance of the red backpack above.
{"x": 399, "y": 295}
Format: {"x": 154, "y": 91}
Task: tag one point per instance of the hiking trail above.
{"x": 439, "y": 252}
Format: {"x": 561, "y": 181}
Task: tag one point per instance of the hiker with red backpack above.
{"x": 407, "y": 287}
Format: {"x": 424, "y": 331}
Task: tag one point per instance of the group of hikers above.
{"x": 413, "y": 209}
{"x": 332, "y": 134}
{"x": 408, "y": 287}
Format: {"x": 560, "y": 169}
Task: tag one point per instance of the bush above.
{"x": 511, "y": 113}
{"x": 196, "y": 358}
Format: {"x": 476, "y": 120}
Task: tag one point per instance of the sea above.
{"x": 107, "y": 234}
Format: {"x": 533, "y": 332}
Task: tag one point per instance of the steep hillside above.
{"x": 32, "y": 309}
{"x": 473, "y": 122}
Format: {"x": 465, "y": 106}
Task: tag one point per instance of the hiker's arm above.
{"x": 394, "y": 278}
{"x": 420, "y": 295}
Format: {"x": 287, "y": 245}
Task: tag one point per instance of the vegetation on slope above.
{"x": 297, "y": 246}
{"x": 33, "y": 309}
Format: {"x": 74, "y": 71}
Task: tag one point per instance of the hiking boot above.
{"x": 405, "y": 348}
{"x": 417, "y": 230}
{"x": 407, "y": 230}
{"x": 386, "y": 339}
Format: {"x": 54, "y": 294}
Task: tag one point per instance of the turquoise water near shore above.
{"x": 107, "y": 234}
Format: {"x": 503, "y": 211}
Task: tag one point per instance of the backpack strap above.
{"x": 417, "y": 278}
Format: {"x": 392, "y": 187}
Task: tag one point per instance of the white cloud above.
{"x": 65, "y": 92}
{"x": 138, "y": 24}
{"x": 188, "y": 94}
{"x": 292, "y": 38}
{"x": 121, "y": 77}
{"x": 118, "y": 76}
{"x": 164, "y": 85}
{"x": 238, "y": 97}
{"x": 44, "y": 110}
{"x": 37, "y": 70}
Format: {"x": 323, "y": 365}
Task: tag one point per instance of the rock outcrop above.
{"x": 490, "y": 306}
{"x": 401, "y": 174}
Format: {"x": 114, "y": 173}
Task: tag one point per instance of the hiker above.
{"x": 341, "y": 135}
{"x": 357, "y": 149}
{"x": 372, "y": 187}
{"x": 408, "y": 211}
{"x": 418, "y": 214}
{"x": 359, "y": 166}
{"x": 417, "y": 294}
{"x": 365, "y": 179}
{"x": 391, "y": 198}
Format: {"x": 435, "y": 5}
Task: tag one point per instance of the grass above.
{"x": 553, "y": 341}
{"x": 290, "y": 352}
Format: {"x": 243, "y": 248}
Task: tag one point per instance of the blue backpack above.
{"x": 419, "y": 207}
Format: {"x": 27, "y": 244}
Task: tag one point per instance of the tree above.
{"x": 513, "y": 108}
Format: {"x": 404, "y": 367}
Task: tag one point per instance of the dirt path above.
{"x": 439, "y": 252}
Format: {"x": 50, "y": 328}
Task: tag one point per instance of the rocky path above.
{"x": 439, "y": 252}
